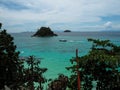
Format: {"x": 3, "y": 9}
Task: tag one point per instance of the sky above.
{"x": 74, "y": 15}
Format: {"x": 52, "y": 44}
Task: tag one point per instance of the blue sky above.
{"x": 76, "y": 15}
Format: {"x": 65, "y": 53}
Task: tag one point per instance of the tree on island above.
{"x": 44, "y": 32}
{"x": 100, "y": 65}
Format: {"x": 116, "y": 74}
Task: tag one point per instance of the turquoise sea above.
{"x": 56, "y": 55}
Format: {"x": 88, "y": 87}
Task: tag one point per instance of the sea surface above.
{"x": 56, "y": 55}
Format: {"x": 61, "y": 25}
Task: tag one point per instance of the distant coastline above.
{"x": 59, "y": 31}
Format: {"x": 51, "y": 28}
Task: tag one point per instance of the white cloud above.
{"x": 60, "y": 11}
{"x": 108, "y": 24}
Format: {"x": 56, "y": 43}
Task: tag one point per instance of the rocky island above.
{"x": 67, "y": 31}
{"x": 44, "y": 32}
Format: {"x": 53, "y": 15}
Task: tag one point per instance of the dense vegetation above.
{"x": 13, "y": 73}
{"x": 100, "y": 68}
{"x": 58, "y": 84}
{"x": 10, "y": 67}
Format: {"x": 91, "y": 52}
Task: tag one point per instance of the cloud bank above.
{"x": 22, "y": 15}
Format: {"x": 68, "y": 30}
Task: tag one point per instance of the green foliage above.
{"x": 59, "y": 84}
{"x": 33, "y": 73}
{"x": 12, "y": 70}
{"x": 0, "y": 25}
{"x": 10, "y": 65}
{"x": 101, "y": 64}
{"x": 72, "y": 83}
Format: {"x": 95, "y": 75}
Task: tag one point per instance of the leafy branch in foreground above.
{"x": 101, "y": 65}
{"x": 10, "y": 64}
{"x": 34, "y": 74}
{"x": 13, "y": 74}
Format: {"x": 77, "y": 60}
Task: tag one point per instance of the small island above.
{"x": 67, "y": 31}
{"x": 44, "y": 32}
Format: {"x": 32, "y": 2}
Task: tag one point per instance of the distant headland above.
{"x": 44, "y": 32}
